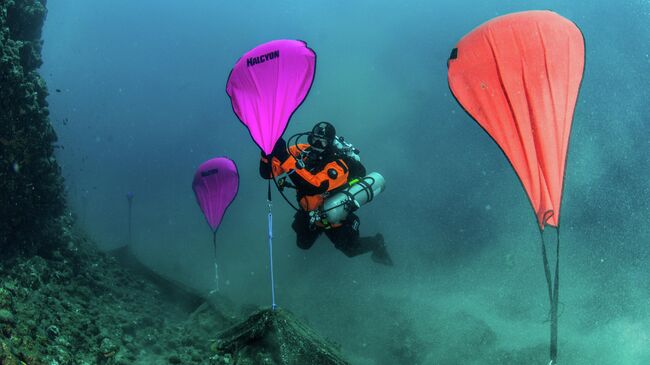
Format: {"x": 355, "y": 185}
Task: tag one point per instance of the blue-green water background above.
{"x": 142, "y": 104}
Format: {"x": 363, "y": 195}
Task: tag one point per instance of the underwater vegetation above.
{"x": 31, "y": 187}
{"x": 81, "y": 307}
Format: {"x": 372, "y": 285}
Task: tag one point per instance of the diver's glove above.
{"x": 279, "y": 151}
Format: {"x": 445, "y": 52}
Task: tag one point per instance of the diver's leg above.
{"x": 305, "y": 236}
{"x": 346, "y": 238}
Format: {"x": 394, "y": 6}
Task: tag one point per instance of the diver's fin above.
{"x": 380, "y": 253}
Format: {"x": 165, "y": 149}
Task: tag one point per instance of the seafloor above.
{"x": 81, "y": 306}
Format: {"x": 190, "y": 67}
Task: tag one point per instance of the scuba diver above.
{"x": 323, "y": 166}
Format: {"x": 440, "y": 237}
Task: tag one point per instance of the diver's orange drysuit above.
{"x": 314, "y": 179}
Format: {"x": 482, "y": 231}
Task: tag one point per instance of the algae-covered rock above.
{"x": 107, "y": 349}
{"x": 103, "y": 314}
{"x": 6, "y": 317}
{"x": 6, "y": 299}
{"x": 30, "y": 179}
{"x": 25, "y": 18}
{"x": 274, "y": 337}
{"x": 7, "y": 356}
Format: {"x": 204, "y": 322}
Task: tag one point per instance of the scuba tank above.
{"x": 359, "y": 192}
{"x": 345, "y": 148}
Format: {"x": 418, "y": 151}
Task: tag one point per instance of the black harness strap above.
{"x": 553, "y": 292}
{"x": 214, "y": 244}
{"x": 547, "y": 270}
{"x": 370, "y": 194}
{"x": 554, "y": 305}
{"x": 342, "y": 165}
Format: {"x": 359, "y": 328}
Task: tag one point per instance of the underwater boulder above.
{"x": 274, "y": 337}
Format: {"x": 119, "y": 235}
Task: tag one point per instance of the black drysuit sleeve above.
{"x": 356, "y": 168}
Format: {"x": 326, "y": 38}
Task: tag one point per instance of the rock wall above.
{"x": 31, "y": 187}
